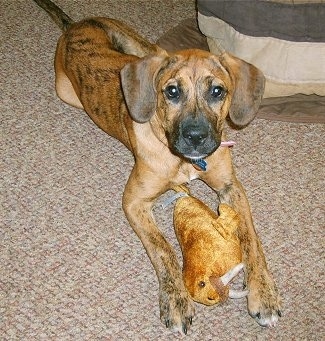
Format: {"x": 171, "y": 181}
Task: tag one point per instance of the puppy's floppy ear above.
{"x": 248, "y": 89}
{"x": 138, "y": 84}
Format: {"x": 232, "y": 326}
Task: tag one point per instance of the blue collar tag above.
{"x": 200, "y": 164}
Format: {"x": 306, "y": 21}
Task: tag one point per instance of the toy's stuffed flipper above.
{"x": 228, "y": 221}
{"x": 227, "y": 211}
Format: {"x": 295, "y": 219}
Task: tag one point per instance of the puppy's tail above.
{"x": 56, "y": 13}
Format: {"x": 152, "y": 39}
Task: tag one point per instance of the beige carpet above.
{"x": 71, "y": 267}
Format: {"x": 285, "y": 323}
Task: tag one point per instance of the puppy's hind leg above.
{"x": 65, "y": 91}
{"x": 63, "y": 85}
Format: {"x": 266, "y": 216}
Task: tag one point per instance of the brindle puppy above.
{"x": 169, "y": 110}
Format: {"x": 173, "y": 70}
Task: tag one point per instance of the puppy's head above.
{"x": 187, "y": 96}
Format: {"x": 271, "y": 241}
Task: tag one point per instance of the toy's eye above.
{"x": 217, "y": 91}
{"x": 172, "y": 92}
{"x": 201, "y": 284}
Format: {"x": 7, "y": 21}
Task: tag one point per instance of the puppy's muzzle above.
{"x": 195, "y": 138}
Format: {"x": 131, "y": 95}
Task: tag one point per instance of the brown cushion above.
{"x": 186, "y": 35}
{"x": 296, "y": 108}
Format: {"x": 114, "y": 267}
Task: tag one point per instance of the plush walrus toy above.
{"x": 210, "y": 246}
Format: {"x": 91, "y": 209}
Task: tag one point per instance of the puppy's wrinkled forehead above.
{"x": 195, "y": 67}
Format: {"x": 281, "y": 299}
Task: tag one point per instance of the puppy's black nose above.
{"x": 195, "y": 135}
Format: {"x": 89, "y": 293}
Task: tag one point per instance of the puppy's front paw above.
{"x": 264, "y": 303}
{"x": 176, "y": 308}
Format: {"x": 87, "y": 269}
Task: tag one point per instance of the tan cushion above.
{"x": 290, "y": 67}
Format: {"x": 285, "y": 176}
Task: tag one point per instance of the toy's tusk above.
{"x": 238, "y": 293}
{"x": 227, "y": 277}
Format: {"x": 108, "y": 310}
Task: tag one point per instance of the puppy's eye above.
{"x": 201, "y": 284}
{"x": 217, "y": 91}
{"x": 172, "y": 92}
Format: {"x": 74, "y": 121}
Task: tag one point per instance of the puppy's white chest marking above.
{"x": 193, "y": 176}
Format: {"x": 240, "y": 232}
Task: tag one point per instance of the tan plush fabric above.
{"x": 210, "y": 247}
